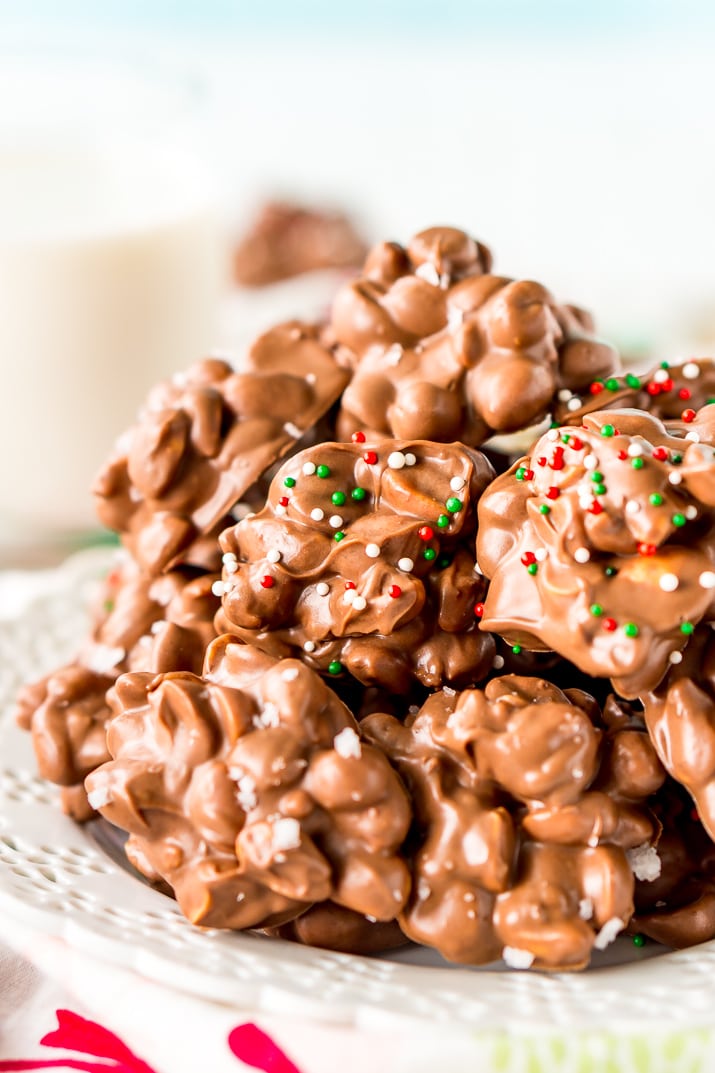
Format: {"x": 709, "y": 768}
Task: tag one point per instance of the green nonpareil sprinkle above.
{"x": 630, "y": 629}
{"x": 656, "y": 499}
{"x": 596, "y": 610}
{"x": 323, "y": 471}
{"x": 612, "y": 384}
{"x": 443, "y": 521}
{"x": 429, "y": 554}
{"x": 338, "y": 498}
{"x": 340, "y": 535}
{"x": 637, "y": 463}
{"x": 554, "y": 424}
{"x": 516, "y": 649}
{"x": 610, "y": 571}
{"x": 638, "y": 939}
{"x": 443, "y": 562}
{"x": 687, "y": 628}
{"x": 358, "y": 494}
{"x": 596, "y": 476}
{"x": 608, "y": 430}
{"x": 289, "y": 482}
{"x": 676, "y": 459}
{"x": 665, "y": 364}
{"x": 633, "y": 381}
{"x": 544, "y": 508}
{"x": 532, "y": 568}
{"x": 520, "y": 473}
{"x": 335, "y": 667}
{"x": 599, "y": 489}
{"x": 678, "y": 520}
{"x": 453, "y": 504}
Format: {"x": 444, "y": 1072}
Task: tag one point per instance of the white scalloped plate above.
{"x": 70, "y": 881}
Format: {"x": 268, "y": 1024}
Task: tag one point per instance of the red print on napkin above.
{"x": 74, "y": 1033}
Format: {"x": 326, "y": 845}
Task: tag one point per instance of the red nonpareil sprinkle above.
{"x": 479, "y": 610}
{"x": 553, "y": 492}
{"x": 660, "y": 454}
{"x": 595, "y": 388}
{"x": 267, "y": 581}
{"x": 646, "y": 549}
{"x": 350, "y": 585}
{"x": 576, "y": 444}
{"x": 652, "y": 388}
{"x": 370, "y": 457}
{"x": 528, "y": 474}
{"x": 557, "y": 462}
{"x": 595, "y": 508}
{"x": 394, "y": 591}
{"x": 358, "y": 437}
{"x": 623, "y": 455}
{"x": 528, "y": 558}
{"x": 688, "y": 416}
{"x": 283, "y": 501}
{"x": 609, "y": 624}
{"x": 667, "y": 385}
{"x": 541, "y": 461}
{"x": 425, "y": 532}
{"x": 684, "y": 394}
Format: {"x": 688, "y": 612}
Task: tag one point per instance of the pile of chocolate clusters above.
{"x": 355, "y": 681}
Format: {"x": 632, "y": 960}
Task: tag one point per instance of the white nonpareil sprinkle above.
{"x": 347, "y": 744}
{"x": 269, "y": 717}
{"x": 309, "y": 646}
{"x": 661, "y": 375}
{"x": 691, "y": 371}
{"x": 322, "y": 588}
{"x": 228, "y": 557}
{"x": 289, "y": 674}
{"x": 693, "y": 436}
{"x": 541, "y": 555}
{"x": 590, "y": 461}
{"x": 675, "y": 477}
{"x": 310, "y": 378}
{"x": 574, "y": 403}
{"x": 632, "y": 506}
{"x": 99, "y": 798}
{"x": 349, "y": 596}
{"x": 645, "y": 862}
{"x": 218, "y": 588}
{"x": 585, "y": 909}
{"x": 246, "y": 794}
{"x": 635, "y": 450}
{"x": 336, "y": 521}
{"x": 516, "y": 958}
{"x": 405, "y": 565}
{"x": 582, "y": 555}
{"x": 410, "y": 459}
{"x": 309, "y": 468}
{"x": 691, "y": 512}
{"x": 103, "y": 658}
{"x": 498, "y": 662}
{"x": 707, "y": 579}
{"x": 564, "y": 394}
{"x": 273, "y": 556}
{"x": 372, "y": 550}
{"x": 553, "y": 434}
{"x": 669, "y": 582}
{"x": 396, "y": 460}
{"x": 286, "y": 834}
{"x": 610, "y": 930}
{"x": 317, "y": 514}
{"x": 280, "y": 510}
{"x": 457, "y": 484}
{"x": 359, "y": 603}
{"x": 231, "y": 568}
{"x": 675, "y": 658}
{"x": 292, "y": 430}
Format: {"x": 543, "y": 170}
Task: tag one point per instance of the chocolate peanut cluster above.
{"x": 205, "y": 438}
{"x": 250, "y": 792}
{"x": 362, "y": 562}
{"x": 443, "y": 350}
{"x": 342, "y": 686}
{"x": 525, "y": 812}
{"x": 599, "y": 545}
{"x": 156, "y": 624}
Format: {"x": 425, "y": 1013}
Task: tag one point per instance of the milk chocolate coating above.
{"x": 664, "y": 391}
{"x": 382, "y": 586}
{"x": 680, "y": 715}
{"x": 205, "y": 437}
{"x": 152, "y": 624}
{"x": 249, "y": 792}
{"x": 287, "y": 240}
{"x": 442, "y": 350}
{"x": 524, "y": 808}
{"x": 333, "y": 927}
{"x": 678, "y": 907}
{"x": 596, "y": 546}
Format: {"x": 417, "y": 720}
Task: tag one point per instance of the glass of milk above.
{"x": 111, "y": 271}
